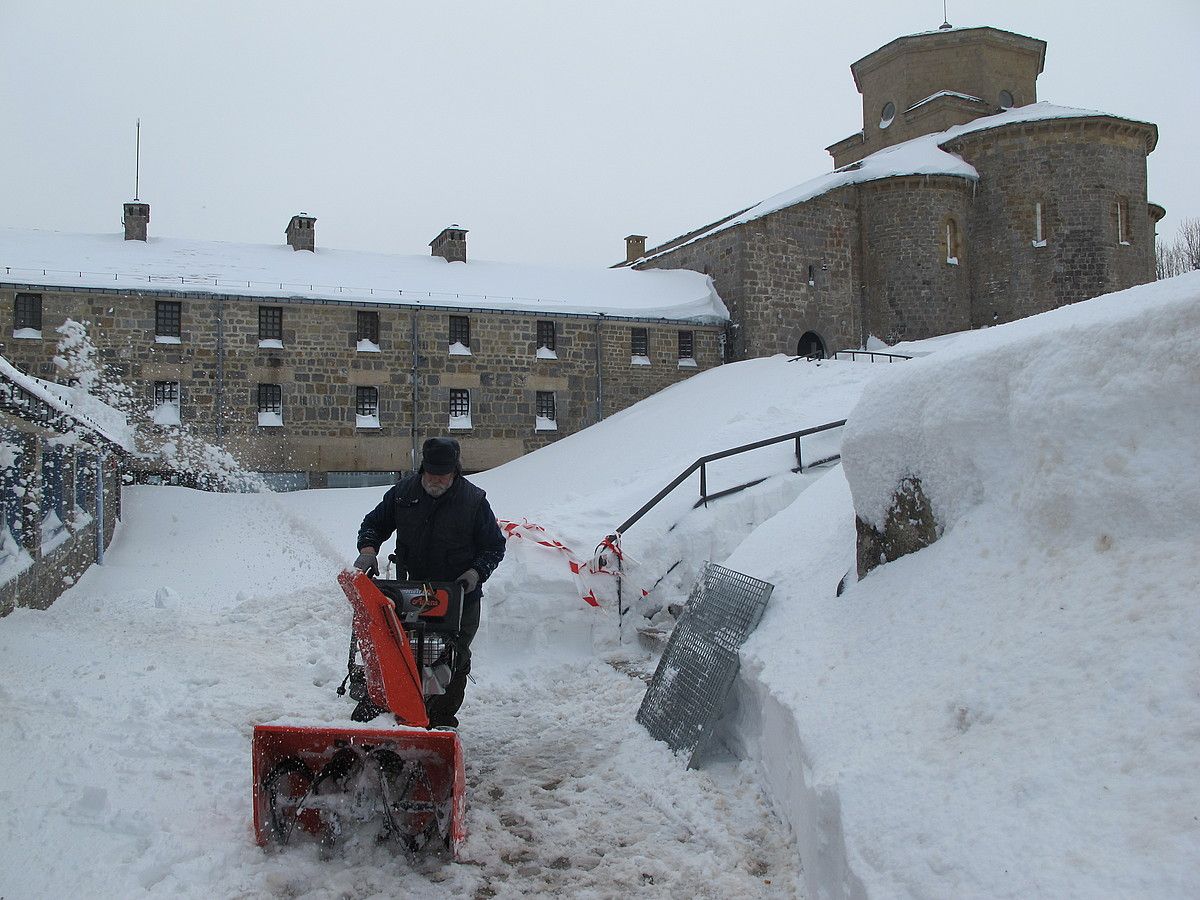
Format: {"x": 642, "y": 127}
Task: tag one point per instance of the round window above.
{"x": 888, "y": 115}
{"x": 1006, "y": 100}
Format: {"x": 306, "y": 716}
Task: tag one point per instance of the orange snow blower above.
{"x": 403, "y": 782}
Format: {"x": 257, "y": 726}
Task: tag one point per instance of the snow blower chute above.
{"x": 401, "y": 782}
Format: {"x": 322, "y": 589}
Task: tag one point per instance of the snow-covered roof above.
{"x": 939, "y": 95}
{"x": 256, "y": 270}
{"x": 920, "y": 156}
{"x": 111, "y": 424}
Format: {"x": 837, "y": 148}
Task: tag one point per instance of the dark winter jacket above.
{"x": 437, "y": 539}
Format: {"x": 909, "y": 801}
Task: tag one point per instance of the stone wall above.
{"x": 219, "y": 365}
{"x": 1077, "y": 169}
{"x": 783, "y": 275}
{"x": 722, "y": 258}
{"x": 911, "y": 290}
{"x": 977, "y": 62}
{"x": 802, "y": 276}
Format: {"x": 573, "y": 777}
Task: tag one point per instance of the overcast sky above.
{"x": 548, "y": 129}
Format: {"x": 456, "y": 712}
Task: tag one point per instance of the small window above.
{"x": 460, "y": 333}
{"x": 366, "y": 401}
{"x": 270, "y": 404}
{"x": 366, "y": 407}
{"x": 812, "y": 276}
{"x": 270, "y": 324}
{"x": 166, "y": 403}
{"x": 639, "y": 345}
{"x": 1006, "y": 100}
{"x": 686, "y": 345}
{"x": 953, "y": 248}
{"x": 887, "y": 115}
{"x": 27, "y": 313}
{"x": 1039, "y": 226}
{"x": 1124, "y": 226}
{"x": 546, "y": 415}
{"x": 270, "y": 398}
{"x": 368, "y": 328}
{"x": 460, "y": 408}
{"x": 167, "y": 317}
{"x": 166, "y": 392}
{"x": 545, "y": 334}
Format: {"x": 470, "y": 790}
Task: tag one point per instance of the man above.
{"x": 445, "y": 531}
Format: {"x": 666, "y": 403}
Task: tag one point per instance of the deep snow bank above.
{"x": 1011, "y": 711}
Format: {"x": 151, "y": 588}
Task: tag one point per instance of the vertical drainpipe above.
{"x": 600, "y": 368}
{"x": 863, "y": 310}
{"x": 220, "y": 398}
{"x": 413, "y": 452}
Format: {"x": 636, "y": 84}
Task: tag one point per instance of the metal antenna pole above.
{"x": 137, "y": 161}
{"x": 945, "y": 17}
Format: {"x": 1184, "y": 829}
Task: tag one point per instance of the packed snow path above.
{"x": 129, "y": 706}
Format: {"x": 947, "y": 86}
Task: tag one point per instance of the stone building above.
{"x": 321, "y": 366}
{"x": 962, "y": 202}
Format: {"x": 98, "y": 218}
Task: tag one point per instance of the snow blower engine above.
{"x": 401, "y": 782}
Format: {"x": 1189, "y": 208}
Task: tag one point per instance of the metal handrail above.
{"x": 890, "y": 357}
{"x": 712, "y": 457}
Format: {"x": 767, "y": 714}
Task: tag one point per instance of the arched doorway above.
{"x": 811, "y": 346}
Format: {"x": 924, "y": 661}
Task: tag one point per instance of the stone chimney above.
{"x": 136, "y": 218}
{"x": 635, "y": 247}
{"x": 451, "y": 244}
{"x": 301, "y": 232}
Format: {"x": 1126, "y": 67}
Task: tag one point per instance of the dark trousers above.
{"x": 443, "y": 709}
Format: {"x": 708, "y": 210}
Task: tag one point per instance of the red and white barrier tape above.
{"x": 527, "y": 530}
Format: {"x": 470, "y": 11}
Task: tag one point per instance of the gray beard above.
{"x": 434, "y": 490}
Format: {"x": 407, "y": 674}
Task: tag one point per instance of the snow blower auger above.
{"x": 400, "y": 783}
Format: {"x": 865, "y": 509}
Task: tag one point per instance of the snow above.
{"x": 105, "y": 420}
{"x": 361, "y": 421}
{"x": 271, "y": 419}
{"x": 458, "y": 348}
{"x": 637, "y": 360}
{"x": 27, "y": 334}
{"x": 687, "y": 362}
{"x": 941, "y": 94}
{"x": 259, "y": 270}
{"x": 166, "y": 339}
{"x": 541, "y": 423}
{"x": 546, "y": 353}
{"x": 1009, "y": 712}
{"x": 165, "y": 414}
{"x": 460, "y": 422}
{"x": 270, "y": 343}
{"x": 367, "y": 346}
{"x": 920, "y": 156}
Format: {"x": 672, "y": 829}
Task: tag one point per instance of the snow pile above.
{"x": 1011, "y": 711}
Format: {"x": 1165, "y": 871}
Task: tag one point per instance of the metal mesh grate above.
{"x": 696, "y": 672}
{"x": 427, "y": 650}
{"x": 727, "y": 605}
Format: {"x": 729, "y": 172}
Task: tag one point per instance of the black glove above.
{"x": 469, "y": 580}
{"x": 368, "y": 561}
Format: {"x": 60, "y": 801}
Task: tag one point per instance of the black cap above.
{"x": 439, "y": 456}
